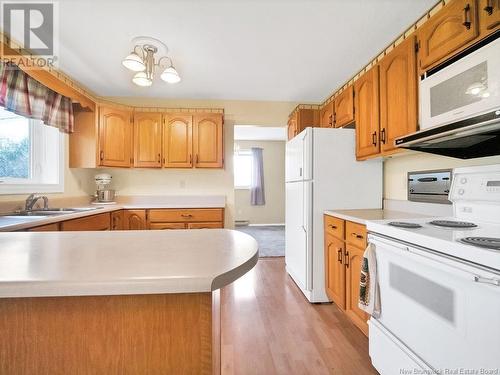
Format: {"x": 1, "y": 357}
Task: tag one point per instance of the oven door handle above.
{"x": 486, "y": 280}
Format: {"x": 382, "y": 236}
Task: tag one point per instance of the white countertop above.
{"x": 122, "y": 262}
{"x": 15, "y": 223}
{"x": 361, "y": 216}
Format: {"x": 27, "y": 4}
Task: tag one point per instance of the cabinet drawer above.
{"x": 334, "y": 226}
{"x": 355, "y": 234}
{"x": 162, "y": 226}
{"x": 95, "y": 222}
{"x": 189, "y": 215}
{"x": 205, "y": 225}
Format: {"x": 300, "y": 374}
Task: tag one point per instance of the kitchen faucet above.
{"x": 32, "y": 199}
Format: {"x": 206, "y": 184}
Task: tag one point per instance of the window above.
{"x": 242, "y": 169}
{"x": 31, "y": 156}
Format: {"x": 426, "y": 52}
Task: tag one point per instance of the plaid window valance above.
{"x": 21, "y": 94}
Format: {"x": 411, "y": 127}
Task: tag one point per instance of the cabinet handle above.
{"x": 190, "y": 159}
{"x": 197, "y": 159}
{"x": 382, "y": 136}
{"x": 339, "y": 255}
{"x": 374, "y": 138}
{"x": 346, "y": 259}
{"x": 489, "y": 7}
{"x": 330, "y": 120}
{"x": 467, "y": 22}
{"x": 332, "y": 226}
{"x": 186, "y": 215}
{"x": 358, "y": 236}
{"x": 101, "y": 155}
{"x": 159, "y": 158}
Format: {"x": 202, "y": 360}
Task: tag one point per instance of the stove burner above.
{"x": 487, "y": 242}
{"x": 402, "y": 224}
{"x": 453, "y": 224}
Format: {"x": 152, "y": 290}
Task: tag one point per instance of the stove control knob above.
{"x": 463, "y": 180}
{"x": 461, "y": 191}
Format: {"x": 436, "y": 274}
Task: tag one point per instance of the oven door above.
{"x": 466, "y": 88}
{"x": 438, "y": 308}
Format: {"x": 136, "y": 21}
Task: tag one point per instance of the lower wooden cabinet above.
{"x": 335, "y": 275}
{"x": 144, "y": 219}
{"x": 353, "y": 261}
{"x": 117, "y": 220}
{"x": 93, "y": 223}
{"x": 134, "y": 219}
{"x": 45, "y": 228}
{"x": 345, "y": 243}
{"x": 186, "y": 218}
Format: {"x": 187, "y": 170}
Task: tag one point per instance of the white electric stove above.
{"x": 439, "y": 281}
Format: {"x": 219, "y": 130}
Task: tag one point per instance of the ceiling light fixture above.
{"x": 142, "y": 60}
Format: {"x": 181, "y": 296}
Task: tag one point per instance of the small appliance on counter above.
{"x": 103, "y": 194}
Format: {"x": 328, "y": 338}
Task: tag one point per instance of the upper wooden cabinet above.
{"x": 115, "y": 137}
{"x": 120, "y": 138}
{"x": 489, "y": 16}
{"x": 147, "y": 139}
{"x": 398, "y": 94}
{"x": 326, "y": 115}
{"x": 450, "y": 29}
{"x": 302, "y": 118}
{"x": 178, "y": 141}
{"x": 208, "y": 140}
{"x": 344, "y": 107}
{"x": 366, "y": 102}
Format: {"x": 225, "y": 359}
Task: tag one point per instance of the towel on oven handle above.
{"x": 369, "y": 293}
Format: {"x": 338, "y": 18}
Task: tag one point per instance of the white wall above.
{"x": 273, "y": 212}
{"x": 397, "y": 167}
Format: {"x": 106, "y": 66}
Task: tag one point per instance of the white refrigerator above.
{"x": 322, "y": 174}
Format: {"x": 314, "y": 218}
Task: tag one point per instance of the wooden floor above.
{"x": 268, "y": 327}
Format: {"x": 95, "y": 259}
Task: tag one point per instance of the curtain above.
{"x": 21, "y": 94}
{"x": 257, "y": 196}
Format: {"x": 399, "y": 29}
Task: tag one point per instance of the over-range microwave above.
{"x": 459, "y": 106}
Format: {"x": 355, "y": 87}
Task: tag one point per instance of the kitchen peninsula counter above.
{"x": 117, "y": 301}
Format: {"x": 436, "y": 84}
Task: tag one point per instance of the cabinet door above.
{"x": 398, "y": 94}
{"x": 147, "y": 140}
{"x": 335, "y": 270}
{"x": 213, "y": 225}
{"x": 489, "y": 16}
{"x": 208, "y": 140}
{"x": 446, "y": 32}
{"x": 115, "y": 137}
{"x": 353, "y": 259}
{"x": 178, "y": 141}
{"x": 93, "y": 223}
{"x": 344, "y": 107}
{"x": 134, "y": 219}
{"x": 326, "y": 115}
{"x": 117, "y": 220}
{"x": 366, "y": 103}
